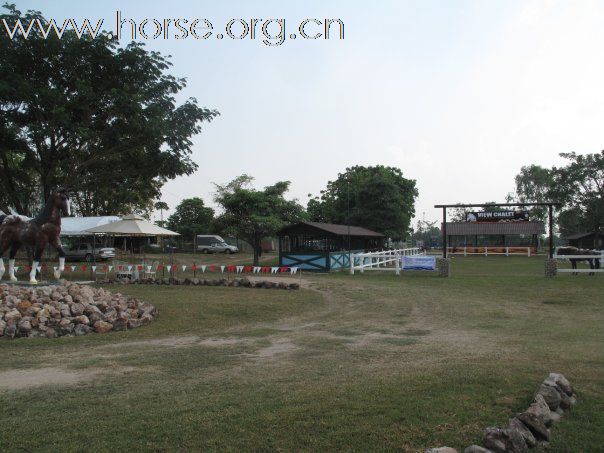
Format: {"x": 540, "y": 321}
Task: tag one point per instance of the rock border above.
{"x": 237, "y": 282}
{"x": 530, "y": 428}
{"x": 68, "y": 310}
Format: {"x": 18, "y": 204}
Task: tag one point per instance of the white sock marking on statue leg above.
{"x": 11, "y": 270}
{"x": 32, "y": 274}
{"x": 2, "y": 269}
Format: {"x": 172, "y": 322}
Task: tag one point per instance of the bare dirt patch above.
{"x": 278, "y": 347}
{"x": 24, "y": 379}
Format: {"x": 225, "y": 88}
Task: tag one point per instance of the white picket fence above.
{"x": 582, "y": 270}
{"x": 387, "y": 260}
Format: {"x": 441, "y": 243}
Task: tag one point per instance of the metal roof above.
{"x": 494, "y": 228}
{"x": 580, "y": 235}
{"x": 338, "y": 230}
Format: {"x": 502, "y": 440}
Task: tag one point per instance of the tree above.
{"x": 533, "y": 185}
{"x": 428, "y": 233}
{"x": 255, "y": 214}
{"x": 378, "y": 198}
{"x": 161, "y": 206}
{"x": 578, "y": 186}
{"x": 87, "y": 114}
{"x": 191, "y": 217}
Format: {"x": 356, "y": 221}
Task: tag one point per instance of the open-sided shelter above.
{"x": 324, "y": 246}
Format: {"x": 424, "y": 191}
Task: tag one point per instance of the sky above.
{"x": 458, "y": 94}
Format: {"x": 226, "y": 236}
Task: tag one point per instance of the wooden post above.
{"x": 444, "y": 232}
{"x": 551, "y": 231}
{"x": 397, "y": 264}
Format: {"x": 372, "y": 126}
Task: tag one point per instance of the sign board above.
{"x": 497, "y": 216}
{"x": 418, "y": 263}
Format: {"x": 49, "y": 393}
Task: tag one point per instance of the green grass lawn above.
{"x": 364, "y": 362}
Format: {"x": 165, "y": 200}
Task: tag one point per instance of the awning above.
{"x": 132, "y": 225}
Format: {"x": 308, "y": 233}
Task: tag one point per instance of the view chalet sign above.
{"x": 497, "y": 216}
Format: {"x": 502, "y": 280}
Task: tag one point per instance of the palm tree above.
{"x": 161, "y": 206}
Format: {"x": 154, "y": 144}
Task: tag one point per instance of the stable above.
{"x": 591, "y": 240}
{"x": 324, "y": 246}
{"x": 494, "y": 238}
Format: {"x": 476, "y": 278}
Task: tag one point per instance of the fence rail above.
{"x": 579, "y": 257}
{"x": 490, "y": 250}
{"x": 387, "y": 260}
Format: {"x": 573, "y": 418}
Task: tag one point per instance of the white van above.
{"x": 211, "y": 243}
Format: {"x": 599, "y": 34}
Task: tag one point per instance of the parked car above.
{"x": 210, "y": 243}
{"x": 85, "y": 252}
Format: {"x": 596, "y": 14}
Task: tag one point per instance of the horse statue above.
{"x": 16, "y": 231}
{"x": 594, "y": 263}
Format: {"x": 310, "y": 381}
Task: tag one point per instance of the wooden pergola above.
{"x": 550, "y": 205}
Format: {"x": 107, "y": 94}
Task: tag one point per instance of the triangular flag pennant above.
{"x": 293, "y": 270}
{"x": 274, "y": 270}
{"x": 130, "y": 268}
{"x": 222, "y": 269}
{"x": 194, "y": 267}
{"x": 239, "y": 269}
{"x": 110, "y": 268}
{"x": 93, "y": 268}
{"x": 212, "y": 268}
{"x": 120, "y": 267}
{"x": 168, "y": 268}
{"x": 283, "y": 269}
{"x": 160, "y": 267}
{"x": 148, "y": 268}
{"x": 184, "y": 267}
{"x": 248, "y": 269}
{"x": 266, "y": 269}
{"x": 83, "y": 268}
{"x": 257, "y": 270}
{"x": 73, "y": 268}
{"x": 203, "y": 268}
{"x": 16, "y": 269}
{"x": 139, "y": 267}
{"x": 27, "y": 268}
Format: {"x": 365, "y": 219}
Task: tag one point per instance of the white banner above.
{"x": 418, "y": 263}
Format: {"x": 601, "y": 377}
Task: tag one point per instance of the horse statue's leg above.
{"x": 34, "y": 266}
{"x": 56, "y": 243}
{"x": 2, "y": 269}
{"x": 11, "y": 262}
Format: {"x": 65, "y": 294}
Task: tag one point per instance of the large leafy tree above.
{"x": 578, "y": 185}
{"x": 379, "y": 198}
{"x": 252, "y": 214}
{"x": 84, "y": 113}
{"x": 191, "y": 217}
